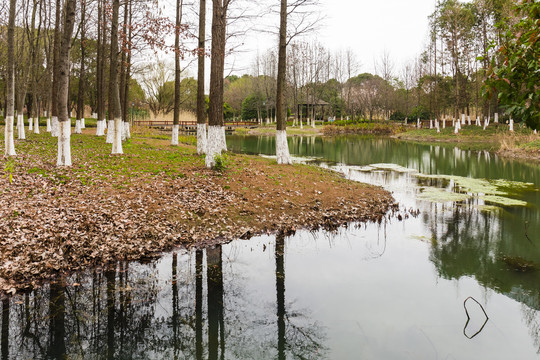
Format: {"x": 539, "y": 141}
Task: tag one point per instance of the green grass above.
{"x": 533, "y": 145}
{"x": 92, "y": 158}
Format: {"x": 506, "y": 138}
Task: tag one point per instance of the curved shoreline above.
{"x": 105, "y": 208}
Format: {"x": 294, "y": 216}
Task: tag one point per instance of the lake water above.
{"x": 414, "y": 286}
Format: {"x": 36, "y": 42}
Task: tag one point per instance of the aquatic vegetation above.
{"x": 441, "y": 195}
{"x": 491, "y": 191}
{"x": 489, "y": 208}
{"x": 393, "y": 167}
{"x": 518, "y": 263}
{"x": 504, "y": 201}
{"x": 513, "y": 185}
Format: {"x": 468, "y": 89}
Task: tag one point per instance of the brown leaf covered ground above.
{"x": 155, "y": 197}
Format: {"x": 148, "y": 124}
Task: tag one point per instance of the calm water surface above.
{"x": 394, "y": 290}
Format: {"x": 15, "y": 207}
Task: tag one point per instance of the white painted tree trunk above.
{"x": 100, "y": 130}
{"x": 30, "y": 124}
{"x": 83, "y": 124}
{"x": 78, "y": 127}
{"x": 511, "y": 125}
{"x": 110, "y": 132}
{"x": 64, "y": 143}
{"x": 213, "y": 146}
{"x": 313, "y": 123}
{"x": 418, "y": 123}
{"x": 282, "y": 148}
{"x": 405, "y": 121}
{"x": 444, "y": 123}
{"x": 174, "y": 139}
{"x": 496, "y": 118}
{"x": 223, "y": 139}
{"x": 201, "y": 139}
{"x": 469, "y": 120}
{"x": 20, "y": 127}
{"x": 54, "y": 126}
{"x": 535, "y": 132}
{"x": 127, "y": 132}
{"x": 49, "y": 129}
{"x": 122, "y": 131}
{"x": 456, "y": 130}
{"x": 431, "y": 124}
{"x": 462, "y": 119}
{"x": 301, "y": 126}
{"x": 116, "y": 136}
{"x": 36, "y": 125}
{"x": 8, "y": 136}
{"x": 485, "y": 123}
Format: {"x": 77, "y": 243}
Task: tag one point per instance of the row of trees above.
{"x": 99, "y": 73}
{"x": 446, "y": 80}
{"x": 467, "y": 42}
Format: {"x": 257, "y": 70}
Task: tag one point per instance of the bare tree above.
{"x": 79, "y": 122}
{"x": 282, "y": 147}
{"x": 115, "y": 110}
{"x": 201, "y": 103}
{"x": 216, "y": 130}
{"x": 55, "y": 69}
{"x": 8, "y": 138}
{"x": 64, "y": 147}
{"x": 385, "y": 68}
{"x": 177, "y": 72}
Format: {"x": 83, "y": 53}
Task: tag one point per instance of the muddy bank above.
{"x": 155, "y": 197}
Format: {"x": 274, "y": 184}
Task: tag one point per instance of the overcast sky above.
{"x": 365, "y": 26}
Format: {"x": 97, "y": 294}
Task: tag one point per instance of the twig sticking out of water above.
{"x": 469, "y": 318}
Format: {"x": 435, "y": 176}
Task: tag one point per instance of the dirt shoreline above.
{"x": 108, "y": 208}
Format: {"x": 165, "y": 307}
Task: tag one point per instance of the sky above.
{"x": 368, "y": 27}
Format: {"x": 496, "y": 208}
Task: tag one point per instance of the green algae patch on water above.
{"x": 489, "y": 208}
{"x": 440, "y": 195}
{"x": 393, "y": 167}
{"x": 503, "y": 201}
{"x": 513, "y": 185}
{"x": 478, "y": 186}
{"x": 367, "y": 168}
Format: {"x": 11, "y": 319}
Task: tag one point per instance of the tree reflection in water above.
{"x": 182, "y": 307}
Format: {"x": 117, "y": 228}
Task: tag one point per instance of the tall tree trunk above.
{"x": 56, "y": 54}
{"x": 10, "y": 98}
{"x": 282, "y": 148}
{"x": 64, "y": 147}
{"x": 125, "y": 91}
{"x": 201, "y": 103}
{"x": 115, "y": 111}
{"x": 123, "y": 58}
{"x": 79, "y": 122}
{"x": 99, "y": 77}
{"x": 35, "y": 68}
{"x": 216, "y": 130}
{"x": 176, "y": 111}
